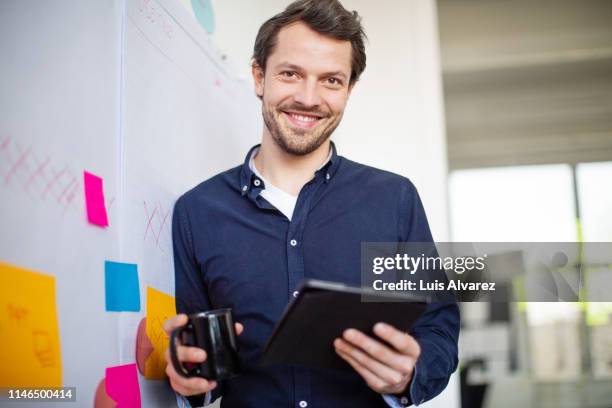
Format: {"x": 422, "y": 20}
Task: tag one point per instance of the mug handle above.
{"x": 174, "y": 336}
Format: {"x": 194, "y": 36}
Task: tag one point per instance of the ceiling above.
{"x": 526, "y": 82}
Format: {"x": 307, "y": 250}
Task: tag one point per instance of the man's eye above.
{"x": 334, "y": 81}
{"x": 288, "y": 74}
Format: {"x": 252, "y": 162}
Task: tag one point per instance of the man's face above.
{"x": 304, "y": 89}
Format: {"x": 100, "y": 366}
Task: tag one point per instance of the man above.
{"x": 295, "y": 209}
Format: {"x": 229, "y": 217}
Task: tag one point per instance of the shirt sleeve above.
{"x": 437, "y": 330}
{"x": 392, "y": 401}
{"x": 191, "y": 293}
{"x": 183, "y": 402}
{"x": 403, "y": 401}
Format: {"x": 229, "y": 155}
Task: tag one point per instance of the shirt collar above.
{"x": 249, "y": 185}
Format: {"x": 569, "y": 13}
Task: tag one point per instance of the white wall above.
{"x": 395, "y": 117}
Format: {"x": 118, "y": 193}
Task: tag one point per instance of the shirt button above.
{"x": 303, "y": 404}
{"x": 257, "y": 183}
{"x": 296, "y": 293}
{"x": 293, "y": 242}
{"x": 244, "y": 188}
{"x": 327, "y": 176}
{"x": 404, "y": 401}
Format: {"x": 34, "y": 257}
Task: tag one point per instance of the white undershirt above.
{"x": 283, "y": 201}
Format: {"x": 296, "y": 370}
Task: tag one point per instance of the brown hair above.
{"x": 327, "y": 17}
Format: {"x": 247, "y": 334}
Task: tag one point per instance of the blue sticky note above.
{"x": 121, "y": 283}
{"x": 203, "y": 11}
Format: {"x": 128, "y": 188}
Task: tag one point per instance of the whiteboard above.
{"x": 135, "y": 92}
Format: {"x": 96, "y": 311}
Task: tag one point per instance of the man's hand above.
{"x": 386, "y": 370}
{"x": 180, "y": 384}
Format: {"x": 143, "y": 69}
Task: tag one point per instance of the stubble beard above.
{"x": 297, "y": 142}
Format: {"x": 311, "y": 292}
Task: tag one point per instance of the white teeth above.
{"x": 303, "y": 118}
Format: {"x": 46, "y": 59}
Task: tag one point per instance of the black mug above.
{"x": 214, "y": 332}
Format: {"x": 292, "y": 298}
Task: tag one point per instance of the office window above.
{"x": 595, "y": 198}
{"x": 513, "y": 204}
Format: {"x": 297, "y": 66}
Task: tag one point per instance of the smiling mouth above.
{"x": 303, "y": 120}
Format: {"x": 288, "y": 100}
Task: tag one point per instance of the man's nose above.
{"x": 308, "y": 94}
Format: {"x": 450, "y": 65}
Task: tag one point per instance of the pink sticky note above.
{"x": 121, "y": 384}
{"x": 94, "y": 198}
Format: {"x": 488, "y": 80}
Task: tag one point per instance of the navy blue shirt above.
{"x": 234, "y": 249}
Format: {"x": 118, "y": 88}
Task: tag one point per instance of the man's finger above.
{"x": 239, "y": 328}
{"x": 379, "y": 351}
{"x": 179, "y": 388}
{"x": 186, "y": 354}
{"x": 370, "y": 378}
{"x": 403, "y": 342}
{"x": 191, "y": 386}
{"x": 188, "y": 386}
{"x": 174, "y": 322}
{"x": 190, "y": 354}
{"x": 384, "y": 372}
{"x": 196, "y": 385}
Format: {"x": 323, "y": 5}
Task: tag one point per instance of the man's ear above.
{"x": 258, "y": 78}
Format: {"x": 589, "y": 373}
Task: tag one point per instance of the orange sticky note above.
{"x": 159, "y": 308}
{"x": 29, "y": 335}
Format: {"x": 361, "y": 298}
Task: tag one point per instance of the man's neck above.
{"x": 286, "y": 171}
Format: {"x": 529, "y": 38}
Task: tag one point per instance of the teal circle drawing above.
{"x": 203, "y": 11}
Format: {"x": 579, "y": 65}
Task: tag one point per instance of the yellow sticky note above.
{"x": 159, "y": 308}
{"x": 29, "y": 335}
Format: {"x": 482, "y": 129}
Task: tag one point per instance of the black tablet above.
{"x": 323, "y": 310}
